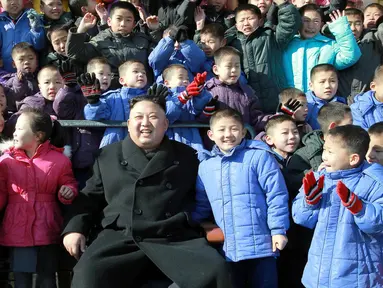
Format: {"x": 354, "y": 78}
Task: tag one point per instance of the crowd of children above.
{"x": 287, "y": 69}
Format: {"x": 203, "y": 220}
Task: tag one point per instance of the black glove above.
{"x": 290, "y": 107}
{"x": 182, "y": 34}
{"x": 90, "y": 87}
{"x": 211, "y": 107}
{"x": 68, "y": 72}
{"x": 158, "y": 90}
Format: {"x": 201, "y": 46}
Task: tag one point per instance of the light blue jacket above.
{"x": 187, "y": 113}
{"x": 247, "y": 194}
{"x": 189, "y": 55}
{"x": 346, "y": 250}
{"x": 366, "y": 110}
{"x": 314, "y": 104}
{"x": 12, "y": 33}
{"x": 302, "y": 55}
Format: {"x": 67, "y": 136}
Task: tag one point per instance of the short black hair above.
{"x": 355, "y": 139}
{"x": 124, "y": 5}
{"x": 311, "y": 8}
{"x": 225, "y": 51}
{"x": 215, "y": 29}
{"x": 290, "y": 93}
{"x": 75, "y": 7}
{"x": 378, "y": 75}
{"x": 376, "y": 129}
{"x": 277, "y": 119}
{"x": 249, "y": 7}
{"x": 374, "y": 5}
{"x": 226, "y": 113}
{"x": 332, "y": 112}
{"x": 322, "y": 68}
{"x": 354, "y": 12}
{"x": 55, "y": 28}
{"x": 96, "y": 61}
{"x": 160, "y": 101}
{"x": 22, "y": 46}
{"x": 168, "y": 72}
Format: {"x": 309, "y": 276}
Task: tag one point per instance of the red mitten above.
{"x": 312, "y": 188}
{"x": 348, "y": 198}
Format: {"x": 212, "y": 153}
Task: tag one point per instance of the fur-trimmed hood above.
{"x": 8, "y": 144}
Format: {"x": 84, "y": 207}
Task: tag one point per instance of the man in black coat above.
{"x": 143, "y": 188}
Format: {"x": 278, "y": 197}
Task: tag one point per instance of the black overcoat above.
{"x": 148, "y": 200}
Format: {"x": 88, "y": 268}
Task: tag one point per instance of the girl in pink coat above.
{"x": 35, "y": 176}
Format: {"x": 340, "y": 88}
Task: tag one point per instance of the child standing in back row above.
{"x": 241, "y": 177}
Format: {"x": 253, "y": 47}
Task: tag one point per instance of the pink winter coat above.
{"x": 29, "y": 192}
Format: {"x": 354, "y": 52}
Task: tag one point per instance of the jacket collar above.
{"x": 367, "y": 101}
{"x": 215, "y": 82}
{"x": 133, "y": 91}
{"x": 311, "y": 96}
{"x": 318, "y": 37}
{"x": 42, "y": 149}
{"x": 341, "y": 174}
{"x": 135, "y": 157}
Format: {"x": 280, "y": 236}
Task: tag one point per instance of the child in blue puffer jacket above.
{"x": 344, "y": 203}
{"x": 191, "y": 100}
{"x": 175, "y": 48}
{"x": 241, "y": 183}
{"x": 310, "y": 48}
{"x": 368, "y": 107}
{"x": 323, "y": 87}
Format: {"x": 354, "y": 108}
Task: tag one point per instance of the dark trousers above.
{"x": 255, "y": 273}
{"x": 25, "y": 280}
{"x": 113, "y": 260}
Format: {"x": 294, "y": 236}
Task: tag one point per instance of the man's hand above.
{"x": 279, "y": 242}
{"x": 153, "y": 23}
{"x": 213, "y": 233}
{"x": 87, "y": 22}
{"x": 66, "y": 192}
{"x": 349, "y": 199}
{"x": 312, "y": 188}
{"x": 75, "y": 244}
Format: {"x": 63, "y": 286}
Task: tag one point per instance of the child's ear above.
{"x": 13, "y": 64}
{"x": 311, "y": 85}
{"x": 373, "y": 86}
{"x": 166, "y": 82}
{"x": 122, "y": 81}
{"x": 332, "y": 125}
{"x": 210, "y": 135}
{"x": 354, "y": 159}
{"x": 84, "y": 10}
{"x": 109, "y": 21}
{"x": 269, "y": 140}
{"x": 215, "y": 70}
{"x": 244, "y": 132}
{"x": 223, "y": 42}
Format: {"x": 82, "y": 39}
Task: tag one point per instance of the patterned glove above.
{"x": 90, "y": 87}
{"x": 290, "y": 107}
{"x": 194, "y": 88}
{"x": 68, "y": 72}
{"x": 158, "y": 90}
{"x": 348, "y": 198}
{"x": 211, "y": 107}
{"x": 312, "y": 188}
{"x": 35, "y": 20}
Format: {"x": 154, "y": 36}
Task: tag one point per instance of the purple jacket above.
{"x": 20, "y": 89}
{"x": 241, "y": 98}
{"x": 69, "y": 105}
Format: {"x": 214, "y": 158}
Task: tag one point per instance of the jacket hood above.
{"x": 7, "y": 147}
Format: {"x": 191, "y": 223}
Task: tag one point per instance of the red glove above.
{"x": 194, "y": 88}
{"x": 200, "y": 79}
{"x": 312, "y": 188}
{"x": 348, "y": 198}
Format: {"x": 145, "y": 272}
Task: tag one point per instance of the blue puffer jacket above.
{"x": 366, "y": 110}
{"x": 189, "y": 55}
{"x": 314, "y": 104}
{"x": 113, "y": 106}
{"x": 12, "y": 33}
{"x": 302, "y": 55}
{"x": 187, "y": 113}
{"x": 346, "y": 250}
{"x": 246, "y": 191}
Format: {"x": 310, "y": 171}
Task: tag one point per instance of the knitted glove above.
{"x": 290, "y": 107}
{"x": 312, "y": 188}
{"x": 348, "y": 198}
{"x": 158, "y": 90}
{"x": 68, "y": 72}
{"x": 90, "y": 87}
{"x": 211, "y": 107}
{"x": 35, "y": 20}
